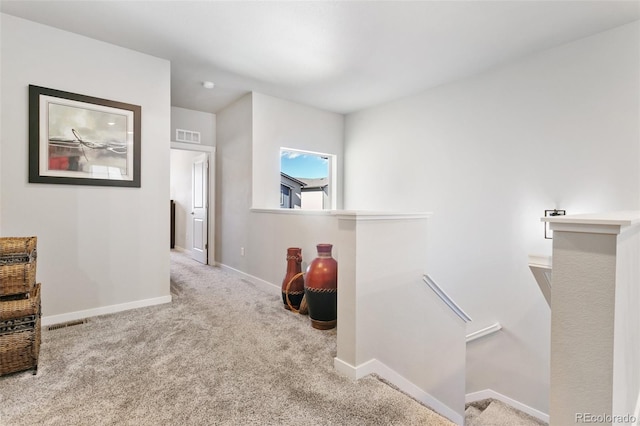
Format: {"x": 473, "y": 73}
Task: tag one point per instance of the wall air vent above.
{"x": 188, "y": 136}
{"x": 66, "y": 324}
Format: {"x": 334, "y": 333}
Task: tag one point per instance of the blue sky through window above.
{"x": 303, "y": 165}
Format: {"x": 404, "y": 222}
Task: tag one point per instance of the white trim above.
{"x": 103, "y": 310}
{"x": 192, "y": 147}
{"x": 620, "y": 218}
{"x": 354, "y": 373}
{"x": 540, "y": 261}
{"x": 484, "y": 332}
{"x": 586, "y": 228}
{"x": 373, "y": 366}
{"x": 252, "y": 278}
{"x": 595, "y": 223}
{"x": 349, "y": 214}
{"x": 372, "y": 215}
{"x": 491, "y": 394}
{"x": 304, "y": 151}
{"x": 636, "y": 413}
{"x": 293, "y": 211}
{"x": 211, "y": 200}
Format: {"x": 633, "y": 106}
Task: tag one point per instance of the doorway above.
{"x": 192, "y": 177}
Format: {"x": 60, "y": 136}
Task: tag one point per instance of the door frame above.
{"x": 211, "y": 150}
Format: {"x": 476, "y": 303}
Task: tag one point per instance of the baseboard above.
{"x": 491, "y": 394}
{"x": 103, "y": 310}
{"x": 270, "y": 286}
{"x": 355, "y": 373}
{"x": 374, "y": 366}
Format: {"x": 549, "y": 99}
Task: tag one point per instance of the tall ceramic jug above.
{"x": 294, "y": 290}
{"x": 321, "y": 289}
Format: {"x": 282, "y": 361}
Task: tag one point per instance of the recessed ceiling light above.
{"x": 208, "y": 84}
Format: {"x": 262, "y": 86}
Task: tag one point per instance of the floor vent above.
{"x": 66, "y": 324}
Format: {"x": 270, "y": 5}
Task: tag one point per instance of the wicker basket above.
{"x": 17, "y": 278}
{"x": 20, "y": 333}
{"x": 17, "y": 265}
{"x": 17, "y": 245}
{"x": 20, "y": 308}
{"x": 19, "y": 351}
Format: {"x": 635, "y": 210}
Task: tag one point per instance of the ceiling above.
{"x": 341, "y": 56}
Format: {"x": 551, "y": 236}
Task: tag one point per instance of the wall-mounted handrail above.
{"x": 484, "y": 332}
{"x": 446, "y": 299}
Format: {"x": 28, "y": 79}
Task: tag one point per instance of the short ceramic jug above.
{"x": 292, "y": 286}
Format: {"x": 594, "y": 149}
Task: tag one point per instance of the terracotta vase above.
{"x": 321, "y": 289}
{"x": 295, "y": 291}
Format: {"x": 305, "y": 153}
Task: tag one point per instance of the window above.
{"x": 305, "y": 180}
{"x": 285, "y": 196}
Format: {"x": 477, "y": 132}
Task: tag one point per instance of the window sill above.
{"x": 348, "y": 214}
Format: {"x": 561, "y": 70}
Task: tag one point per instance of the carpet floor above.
{"x": 224, "y": 352}
{"x": 491, "y": 412}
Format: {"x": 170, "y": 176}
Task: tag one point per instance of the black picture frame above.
{"x": 82, "y": 140}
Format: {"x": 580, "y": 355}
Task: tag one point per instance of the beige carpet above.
{"x": 224, "y": 352}
{"x": 491, "y": 412}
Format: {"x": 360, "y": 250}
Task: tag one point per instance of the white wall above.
{"x": 265, "y": 236}
{"x": 99, "y": 247}
{"x": 195, "y": 121}
{"x": 233, "y": 182}
{"x": 250, "y": 134}
{"x": 388, "y": 316}
{"x": 487, "y": 155}
{"x": 279, "y": 123}
{"x": 181, "y": 184}
{"x": 273, "y": 232}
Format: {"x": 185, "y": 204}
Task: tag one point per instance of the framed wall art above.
{"x": 81, "y": 140}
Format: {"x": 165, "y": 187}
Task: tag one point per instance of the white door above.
{"x": 199, "y": 212}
